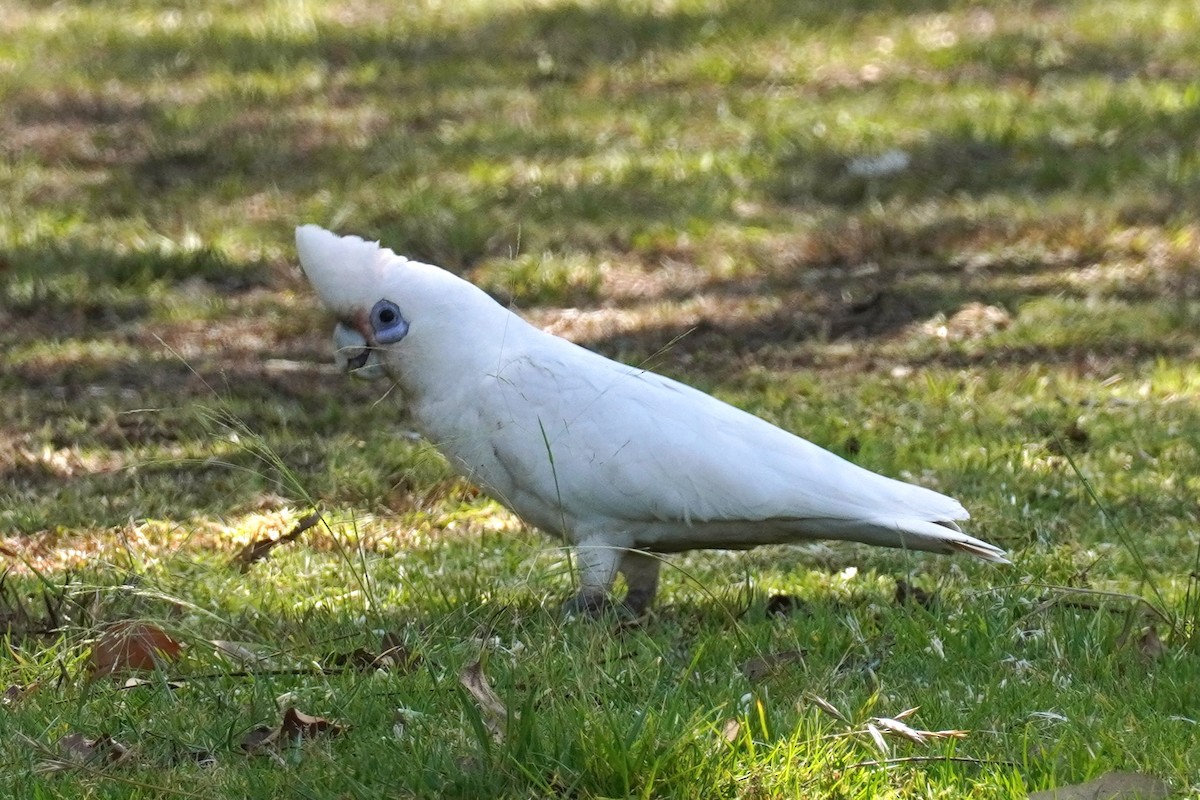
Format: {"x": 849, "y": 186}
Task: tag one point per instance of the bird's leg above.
{"x": 597, "y": 565}
{"x": 641, "y": 576}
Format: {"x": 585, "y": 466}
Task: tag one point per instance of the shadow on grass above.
{"x": 508, "y": 40}
{"x": 1011, "y": 164}
{"x": 438, "y": 100}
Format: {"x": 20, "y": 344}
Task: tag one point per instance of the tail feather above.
{"x": 943, "y": 536}
{"x": 965, "y": 543}
{"x": 980, "y": 549}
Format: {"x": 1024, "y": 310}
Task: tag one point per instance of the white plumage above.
{"x": 621, "y": 462}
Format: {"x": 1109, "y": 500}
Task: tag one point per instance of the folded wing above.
{"x": 602, "y": 441}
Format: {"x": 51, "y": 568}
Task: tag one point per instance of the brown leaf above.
{"x": 1150, "y": 647}
{"x": 397, "y": 657}
{"x": 1075, "y": 434}
{"x": 493, "y": 711}
{"x": 260, "y": 549}
{"x": 127, "y": 646}
{"x": 360, "y": 658}
{"x": 298, "y": 725}
{"x": 907, "y": 593}
{"x": 394, "y": 655}
{"x": 295, "y": 726}
{"x": 731, "y": 730}
{"x": 105, "y": 750}
{"x": 761, "y": 667}
{"x": 1140, "y": 633}
{"x": 1111, "y": 786}
{"x": 258, "y": 738}
{"x": 17, "y": 692}
{"x": 77, "y": 746}
{"x": 784, "y": 605}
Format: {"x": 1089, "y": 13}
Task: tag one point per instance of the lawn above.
{"x": 957, "y": 244}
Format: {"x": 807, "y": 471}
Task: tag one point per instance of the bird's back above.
{"x": 572, "y": 440}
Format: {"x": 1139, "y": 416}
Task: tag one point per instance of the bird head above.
{"x": 396, "y": 316}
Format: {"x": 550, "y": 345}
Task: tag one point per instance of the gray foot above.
{"x": 598, "y": 564}
{"x": 592, "y": 605}
{"x": 641, "y": 576}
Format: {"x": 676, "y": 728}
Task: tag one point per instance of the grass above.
{"x": 1011, "y": 318}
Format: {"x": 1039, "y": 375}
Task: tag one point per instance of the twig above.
{"x": 1135, "y": 599}
{"x": 258, "y": 550}
{"x": 138, "y": 683}
{"x": 887, "y": 762}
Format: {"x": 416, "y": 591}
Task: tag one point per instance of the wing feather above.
{"x": 637, "y": 446}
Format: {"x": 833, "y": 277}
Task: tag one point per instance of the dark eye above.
{"x": 389, "y": 325}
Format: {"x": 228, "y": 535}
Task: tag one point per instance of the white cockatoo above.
{"x": 621, "y": 462}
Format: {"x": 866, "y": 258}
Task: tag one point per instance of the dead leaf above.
{"x": 261, "y": 548}
{"x": 398, "y": 657}
{"x": 972, "y": 321}
{"x": 394, "y": 655}
{"x": 785, "y": 605}
{"x": 402, "y": 718}
{"x": 1111, "y": 786}
{"x": 760, "y": 667}
{"x": 1076, "y": 434}
{"x": 360, "y": 658}
{"x": 730, "y": 730}
{"x": 493, "y": 711}
{"x": 907, "y": 593}
{"x": 298, "y": 725}
{"x": 1150, "y": 647}
{"x": 77, "y": 748}
{"x": 293, "y": 727}
{"x": 17, "y": 692}
{"x": 258, "y": 738}
{"x": 127, "y": 646}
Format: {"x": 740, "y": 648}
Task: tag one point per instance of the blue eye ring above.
{"x": 388, "y": 323}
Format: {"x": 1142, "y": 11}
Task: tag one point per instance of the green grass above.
{"x": 666, "y": 181}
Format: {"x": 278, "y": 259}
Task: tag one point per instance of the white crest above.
{"x": 346, "y": 271}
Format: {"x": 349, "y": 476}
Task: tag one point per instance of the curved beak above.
{"x": 354, "y": 354}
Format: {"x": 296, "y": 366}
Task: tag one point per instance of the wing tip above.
{"x": 981, "y": 550}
